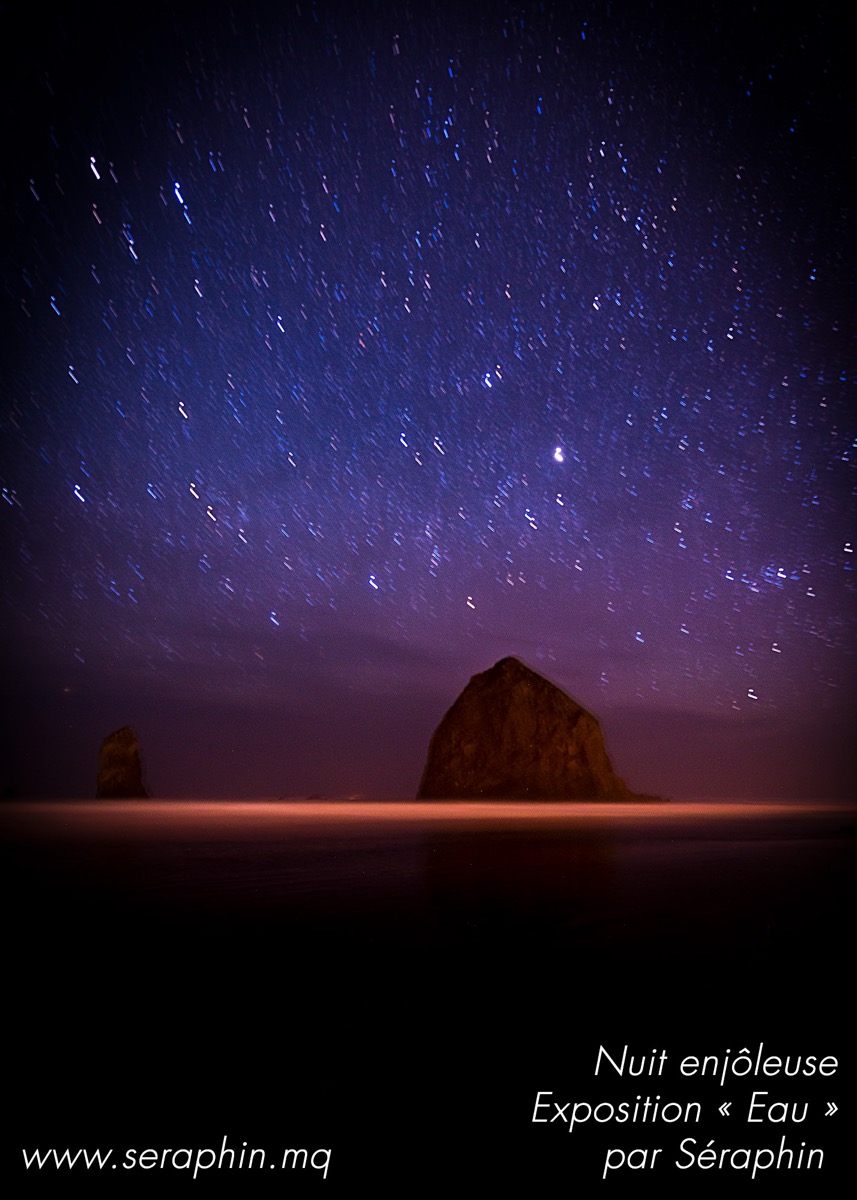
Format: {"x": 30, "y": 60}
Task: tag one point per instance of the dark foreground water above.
{"x": 398, "y": 982}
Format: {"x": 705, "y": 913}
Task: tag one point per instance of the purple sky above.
{"x": 349, "y": 349}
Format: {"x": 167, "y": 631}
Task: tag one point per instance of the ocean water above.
{"x": 593, "y": 875}
{"x": 401, "y": 978}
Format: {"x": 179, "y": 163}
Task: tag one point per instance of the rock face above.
{"x": 513, "y": 735}
{"x": 120, "y": 772}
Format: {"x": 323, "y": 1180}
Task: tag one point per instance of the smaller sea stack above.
{"x": 120, "y": 771}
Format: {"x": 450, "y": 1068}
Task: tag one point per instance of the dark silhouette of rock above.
{"x": 513, "y": 735}
{"x": 120, "y": 771}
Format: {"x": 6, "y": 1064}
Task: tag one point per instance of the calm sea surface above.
{"x": 399, "y": 979}
{"x": 614, "y": 866}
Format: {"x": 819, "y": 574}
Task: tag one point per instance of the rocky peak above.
{"x": 512, "y": 734}
{"x": 120, "y": 770}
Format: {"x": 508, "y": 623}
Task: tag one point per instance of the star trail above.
{"x": 351, "y": 348}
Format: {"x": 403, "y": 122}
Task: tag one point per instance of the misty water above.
{"x": 399, "y": 979}
{"x": 642, "y": 877}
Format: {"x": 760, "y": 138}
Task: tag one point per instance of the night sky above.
{"x": 349, "y": 348}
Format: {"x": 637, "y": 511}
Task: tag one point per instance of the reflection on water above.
{"x": 642, "y": 877}
{"x": 455, "y": 957}
{"x": 237, "y": 819}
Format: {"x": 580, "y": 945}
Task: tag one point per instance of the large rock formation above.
{"x": 120, "y": 771}
{"x": 513, "y": 735}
